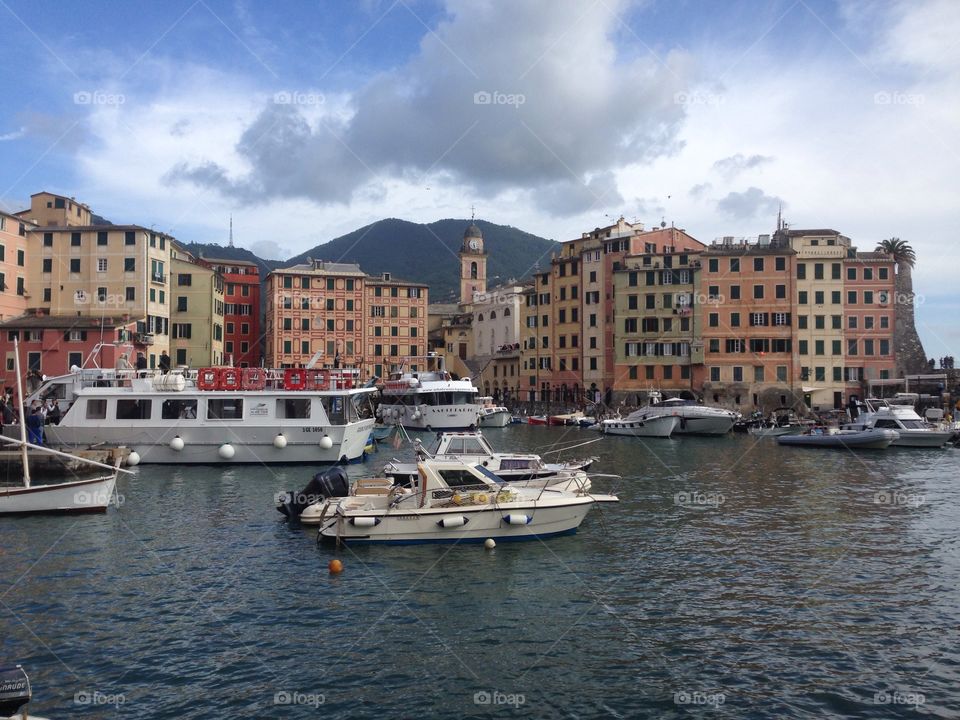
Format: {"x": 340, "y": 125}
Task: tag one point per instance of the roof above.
{"x": 62, "y": 322}
{"x": 65, "y": 197}
{"x": 812, "y": 233}
{"x": 443, "y": 309}
{"x": 872, "y": 256}
{"x": 472, "y": 231}
{"x": 394, "y": 282}
{"x": 226, "y": 261}
{"x": 321, "y": 266}
{"x": 746, "y": 250}
{"x": 95, "y": 228}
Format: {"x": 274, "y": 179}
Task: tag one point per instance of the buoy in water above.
{"x": 489, "y": 543}
{"x": 335, "y": 567}
{"x": 133, "y": 458}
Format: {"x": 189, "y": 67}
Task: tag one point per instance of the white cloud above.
{"x": 732, "y": 166}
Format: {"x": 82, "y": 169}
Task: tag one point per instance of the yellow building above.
{"x": 196, "y": 312}
{"x": 819, "y": 348}
{"x": 86, "y": 270}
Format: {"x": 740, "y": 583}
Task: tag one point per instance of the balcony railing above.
{"x": 158, "y": 278}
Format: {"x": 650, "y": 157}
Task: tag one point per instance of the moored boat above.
{"x": 912, "y": 429}
{"x": 695, "y": 419}
{"x": 537, "y": 420}
{"x": 422, "y": 395}
{"x": 493, "y": 415}
{"x": 847, "y": 439}
{"x": 638, "y": 424}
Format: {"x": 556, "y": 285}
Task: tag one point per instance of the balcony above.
{"x": 143, "y": 338}
{"x": 158, "y": 278}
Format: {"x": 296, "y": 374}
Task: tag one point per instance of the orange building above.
{"x": 746, "y": 298}
{"x": 241, "y": 317}
{"x": 868, "y": 311}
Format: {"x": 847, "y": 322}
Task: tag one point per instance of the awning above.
{"x": 808, "y": 389}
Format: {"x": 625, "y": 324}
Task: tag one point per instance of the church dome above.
{"x": 472, "y": 231}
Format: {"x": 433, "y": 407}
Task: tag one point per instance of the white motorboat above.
{"x": 422, "y": 395}
{"x": 774, "y": 430}
{"x": 213, "y": 415}
{"x": 493, "y": 415}
{"x": 694, "y": 419}
{"x": 449, "y": 502}
{"x": 641, "y": 424}
{"x": 89, "y": 495}
{"x": 874, "y": 439}
{"x": 472, "y": 448}
{"x": 912, "y": 429}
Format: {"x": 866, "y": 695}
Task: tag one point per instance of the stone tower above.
{"x": 473, "y": 264}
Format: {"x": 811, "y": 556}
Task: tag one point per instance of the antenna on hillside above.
{"x": 231, "y": 229}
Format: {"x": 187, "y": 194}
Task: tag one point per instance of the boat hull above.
{"x": 852, "y": 440}
{"x": 433, "y": 417}
{"x": 718, "y": 425}
{"x": 81, "y": 496}
{"x": 657, "y": 427}
{"x": 923, "y": 438}
{"x": 202, "y": 443}
{"x": 500, "y": 418}
{"x": 482, "y": 523}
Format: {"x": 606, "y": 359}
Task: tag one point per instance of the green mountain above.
{"x": 415, "y": 251}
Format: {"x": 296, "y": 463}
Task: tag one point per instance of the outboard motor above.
{"x": 14, "y": 690}
{"x": 331, "y": 483}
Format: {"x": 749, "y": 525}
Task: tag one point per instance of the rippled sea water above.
{"x": 735, "y": 577}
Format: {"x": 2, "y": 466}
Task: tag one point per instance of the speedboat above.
{"x": 449, "y": 502}
{"x": 913, "y": 430}
{"x": 537, "y": 420}
{"x": 640, "y": 424}
{"x": 565, "y": 419}
{"x": 473, "y": 449}
{"x": 694, "y": 419}
{"x": 875, "y": 439}
{"x": 492, "y": 415}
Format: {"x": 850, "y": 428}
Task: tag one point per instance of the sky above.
{"x": 306, "y": 120}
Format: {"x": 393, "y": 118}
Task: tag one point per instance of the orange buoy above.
{"x": 335, "y": 566}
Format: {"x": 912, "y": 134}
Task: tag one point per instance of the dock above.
{"x": 41, "y": 463}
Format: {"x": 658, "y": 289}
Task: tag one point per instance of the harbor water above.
{"x": 735, "y": 577}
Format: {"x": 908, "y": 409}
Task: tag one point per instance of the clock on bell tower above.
{"x": 473, "y": 264}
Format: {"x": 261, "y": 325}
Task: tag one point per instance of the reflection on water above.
{"x": 735, "y": 575}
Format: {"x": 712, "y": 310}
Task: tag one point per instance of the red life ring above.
{"x": 294, "y": 379}
{"x": 347, "y": 383}
{"x": 207, "y": 379}
{"x": 229, "y": 379}
{"x": 321, "y": 380}
{"x": 253, "y": 378}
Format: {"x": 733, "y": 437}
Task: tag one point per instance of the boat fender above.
{"x": 133, "y": 459}
{"x": 451, "y": 522}
{"x": 176, "y": 444}
{"x": 279, "y": 442}
{"x": 226, "y": 451}
{"x": 365, "y": 521}
{"x": 513, "y": 519}
{"x": 326, "y": 442}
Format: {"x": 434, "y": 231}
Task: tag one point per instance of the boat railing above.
{"x": 273, "y": 379}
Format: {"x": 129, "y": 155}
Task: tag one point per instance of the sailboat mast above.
{"x": 23, "y": 419}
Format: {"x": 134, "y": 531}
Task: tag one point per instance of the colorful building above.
{"x": 13, "y": 265}
{"x": 394, "y": 323}
{"x": 868, "y": 321}
{"x": 242, "y": 339}
{"x": 196, "y": 313}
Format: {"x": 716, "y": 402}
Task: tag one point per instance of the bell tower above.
{"x": 473, "y": 264}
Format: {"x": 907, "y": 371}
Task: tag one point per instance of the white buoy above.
{"x": 326, "y": 442}
{"x": 176, "y": 444}
{"x": 489, "y": 543}
{"x": 226, "y": 451}
{"x": 279, "y": 442}
{"x": 133, "y": 458}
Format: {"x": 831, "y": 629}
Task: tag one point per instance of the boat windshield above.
{"x": 466, "y": 446}
{"x": 913, "y": 424}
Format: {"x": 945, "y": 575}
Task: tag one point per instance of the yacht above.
{"x": 493, "y": 415}
{"x": 913, "y": 430}
{"x": 694, "y": 419}
{"x": 473, "y": 448}
{"x": 422, "y": 395}
{"x": 213, "y": 415}
{"x": 450, "y": 501}
{"x": 640, "y": 424}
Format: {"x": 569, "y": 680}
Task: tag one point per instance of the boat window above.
{"x": 335, "y": 409}
{"x": 460, "y": 478}
{"x": 913, "y": 424}
{"x": 455, "y": 446}
{"x": 472, "y": 446}
{"x": 133, "y": 409}
{"x": 57, "y": 391}
{"x": 179, "y": 409}
{"x": 886, "y": 424}
{"x": 297, "y": 408}
{"x": 96, "y": 409}
{"x": 224, "y": 408}
{"x": 362, "y": 405}
{"x": 516, "y": 464}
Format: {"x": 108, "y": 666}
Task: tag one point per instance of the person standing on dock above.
{"x": 35, "y": 426}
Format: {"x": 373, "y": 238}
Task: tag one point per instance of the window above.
{"x": 224, "y": 409}
{"x": 884, "y": 347}
{"x": 131, "y": 294}
{"x": 713, "y": 319}
{"x": 851, "y": 273}
{"x": 818, "y": 297}
{"x": 96, "y": 409}
{"x": 75, "y": 239}
{"x": 178, "y": 409}
{"x": 734, "y": 264}
{"x": 851, "y": 347}
{"x": 48, "y": 239}
{"x": 185, "y": 279}
{"x": 758, "y": 289}
{"x": 802, "y": 322}
{"x": 836, "y": 347}
{"x": 758, "y": 264}
{"x": 818, "y": 271}
{"x": 852, "y": 322}
{"x": 818, "y": 347}
{"x": 713, "y": 264}
{"x": 101, "y": 265}
{"x": 781, "y": 369}
{"x": 734, "y": 320}
{"x": 48, "y": 265}
{"x": 129, "y": 264}
{"x": 74, "y": 265}
{"x": 101, "y": 294}
{"x": 851, "y": 297}
{"x": 47, "y": 292}
{"x": 883, "y": 273}
{"x": 868, "y": 297}
{"x": 294, "y": 408}
{"x": 801, "y": 271}
{"x": 781, "y": 265}
{"x": 133, "y": 409}
{"x": 21, "y": 258}
{"x": 781, "y": 292}
{"x": 181, "y": 303}
{"x": 819, "y": 322}
{"x": 802, "y": 297}
{"x": 714, "y": 374}
{"x": 734, "y": 292}
{"x": 836, "y": 322}
{"x": 130, "y": 237}
{"x": 101, "y": 237}
{"x": 835, "y": 271}
{"x": 803, "y": 347}
{"x": 758, "y": 373}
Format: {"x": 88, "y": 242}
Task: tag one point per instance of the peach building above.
{"x": 868, "y": 320}
{"x": 13, "y": 265}
{"x": 745, "y": 298}
{"x": 242, "y": 338}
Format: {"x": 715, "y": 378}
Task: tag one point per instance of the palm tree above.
{"x": 911, "y": 357}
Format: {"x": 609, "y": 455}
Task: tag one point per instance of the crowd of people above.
{"x": 38, "y": 415}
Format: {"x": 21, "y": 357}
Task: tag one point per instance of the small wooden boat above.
{"x": 846, "y": 439}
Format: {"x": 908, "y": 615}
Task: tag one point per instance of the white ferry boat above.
{"x": 422, "y": 395}
{"x": 213, "y": 415}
